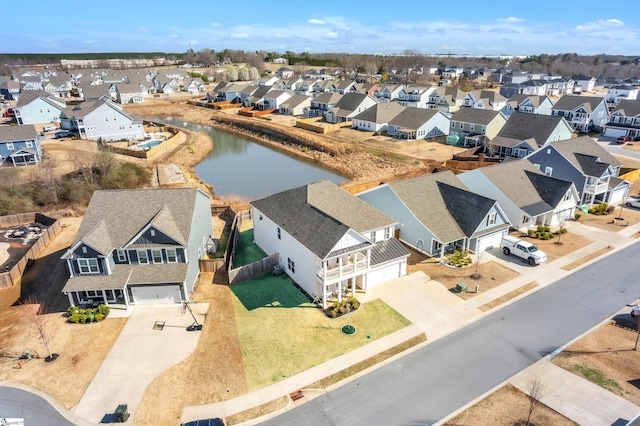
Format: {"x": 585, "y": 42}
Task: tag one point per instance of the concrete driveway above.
{"x": 137, "y": 357}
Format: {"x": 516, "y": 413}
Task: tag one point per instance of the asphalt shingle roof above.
{"x": 413, "y": 118}
{"x": 628, "y": 108}
{"x": 381, "y": 113}
{"x": 25, "y": 132}
{"x": 569, "y": 103}
{"x": 474, "y": 115}
{"x": 521, "y": 125}
{"x": 586, "y": 146}
{"x": 318, "y": 215}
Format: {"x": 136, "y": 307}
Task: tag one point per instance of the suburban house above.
{"x": 19, "y": 145}
{"x": 415, "y": 95}
{"x": 531, "y": 104}
{"x": 39, "y": 109}
{"x": 484, "y": 99}
{"x": 327, "y": 240}
{"x": 527, "y": 196}
{"x": 285, "y": 72}
{"x": 254, "y": 96}
{"x": 446, "y": 99}
{"x": 102, "y": 120}
{"x": 194, "y": 85}
{"x": 592, "y": 169}
{"x": 624, "y": 120}
{"x": 586, "y": 84}
{"x": 376, "y": 118}
{"x": 583, "y": 113}
{"x": 472, "y": 127}
{"x": 9, "y": 89}
{"x": 418, "y": 123}
{"x": 350, "y": 105}
{"x": 388, "y": 92}
{"x": 129, "y": 94}
{"x": 342, "y": 86}
{"x": 295, "y": 105}
{"x": 274, "y": 98}
{"x": 90, "y": 92}
{"x": 309, "y": 87}
{"x": 139, "y": 246}
{"x": 321, "y": 104}
{"x": 437, "y": 213}
{"x": 59, "y": 86}
{"x": 542, "y": 128}
{"x": 621, "y": 92}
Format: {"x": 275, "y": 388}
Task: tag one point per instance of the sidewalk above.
{"x": 437, "y": 314}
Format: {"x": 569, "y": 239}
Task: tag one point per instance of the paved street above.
{"x": 35, "y": 410}
{"x": 428, "y": 384}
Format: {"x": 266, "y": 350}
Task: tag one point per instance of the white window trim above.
{"x": 153, "y": 257}
{"x": 175, "y": 255}
{"x": 146, "y": 256}
{"x": 121, "y": 255}
{"x": 86, "y": 263}
{"x": 492, "y": 218}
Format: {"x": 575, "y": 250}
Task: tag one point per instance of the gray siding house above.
{"x": 438, "y": 213}
{"x": 583, "y": 113}
{"x": 19, "y": 145}
{"x": 592, "y": 169}
{"x": 102, "y": 120}
{"x": 139, "y": 246}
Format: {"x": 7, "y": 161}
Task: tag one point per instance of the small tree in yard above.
{"x": 535, "y": 390}
{"x": 40, "y": 323}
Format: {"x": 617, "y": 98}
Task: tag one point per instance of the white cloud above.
{"x": 215, "y": 24}
{"x": 174, "y": 36}
{"x": 314, "y": 21}
{"x": 600, "y": 24}
{"x": 511, "y": 19}
{"x": 330, "y": 34}
{"x": 239, "y": 35}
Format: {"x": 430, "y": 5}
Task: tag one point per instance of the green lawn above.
{"x": 282, "y": 333}
{"x": 247, "y": 251}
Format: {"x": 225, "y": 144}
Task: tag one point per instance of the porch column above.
{"x": 104, "y": 297}
{"x": 324, "y": 296}
{"x": 70, "y": 296}
{"x": 183, "y": 288}
{"x": 124, "y": 297}
{"x": 368, "y": 258}
{"x": 339, "y": 291}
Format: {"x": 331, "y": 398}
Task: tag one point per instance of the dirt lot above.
{"x": 507, "y": 406}
{"x": 607, "y": 357}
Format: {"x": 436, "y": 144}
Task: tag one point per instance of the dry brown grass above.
{"x": 609, "y": 350}
{"x": 511, "y": 295}
{"x": 259, "y": 411}
{"x": 82, "y": 348}
{"x": 569, "y": 242}
{"x": 492, "y": 274}
{"x": 506, "y": 407}
{"x": 214, "y": 371}
{"x": 629, "y": 214}
{"x": 587, "y": 258}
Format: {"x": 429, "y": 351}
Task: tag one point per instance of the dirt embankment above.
{"x": 344, "y": 158}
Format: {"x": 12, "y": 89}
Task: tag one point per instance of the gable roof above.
{"x": 114, "y": 217}
{"x": 351, "y": 101}
{"x": 587, "y": 147}
{"x": 475, "y": 116}
{"x": 413, "y": 118}
{"x": 628, "y": 108}
{"x": 513, "y": 179}
{"x": 381, "y": 113}
{"x": 521, "y": 125}
{"x": 25, "y": 132}
{"x": 438, "y": 201}
{"x": 319, "y": 214}
{"x": 551, "y": 190}
{"x": 569, "y": 103}
{"x": 294, "y": 101}
{"x": 511, "y": 142}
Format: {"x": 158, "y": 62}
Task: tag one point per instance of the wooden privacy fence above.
{"x": 630, "y": 175}
{"x": 210, "y": 265}
{"x": 253, "y": 269}
{"x": 14, "y": 274}
{"x": 166, "y": 145}
{"x": 310, "y": 124}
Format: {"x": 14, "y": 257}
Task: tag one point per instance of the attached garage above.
{"x": 489, "y": 241}
{"x": 614, "y": 133}
{"x": 154, "y": 294}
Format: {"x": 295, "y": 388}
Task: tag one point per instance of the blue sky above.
{"x": 429, "y": 27}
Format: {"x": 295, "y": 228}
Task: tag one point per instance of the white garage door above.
{"x": 614, "y": 133}
{"x": 489, "y": 241}
{"x": 145, "y": 295}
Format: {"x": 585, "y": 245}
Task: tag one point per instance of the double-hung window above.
{"x": 171, "y": 255}
{"x": 143, "y": 257}
{"x": 156, "y": 255}
{"x": 88, "y": 266}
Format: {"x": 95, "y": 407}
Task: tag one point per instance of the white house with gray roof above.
{"x": 527, "y": 196}
{"x": 376, "y": 118}
{"x": 350, "y": 105}
{"x": 102, "y": 120}
{"x": 583, "y": 113}
{"x": 437, "y": 213}
{"x": 328, "y": 241}
{"x": 139, "y": 246}
{"x": 418, "y": 123}
{"x": 624, "y": 120}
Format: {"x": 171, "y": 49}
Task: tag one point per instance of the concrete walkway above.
{"x": 138, "y": 356}
{"x": 574, "y": 397}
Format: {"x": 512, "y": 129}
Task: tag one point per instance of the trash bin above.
{"x": 121, "y": 413}
{"x": 462, "y": 287}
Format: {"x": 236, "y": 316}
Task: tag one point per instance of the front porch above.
{"x": 342, "y": 273}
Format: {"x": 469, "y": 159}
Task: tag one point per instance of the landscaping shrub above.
{"x": 459, "y": 258}
{"x": 341, "y": 308}
{"x": 577, "y": 216}
{"x": 76, "y": 315}
{"x": 531, "y": 233}
{"x": 600, "y": 209}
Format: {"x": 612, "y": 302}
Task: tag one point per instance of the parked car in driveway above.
{"x": 632, "y": 202}
{"x": 623, "y": 139}
{"x": 59, "y": 135}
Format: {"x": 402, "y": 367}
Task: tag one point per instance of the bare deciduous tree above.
{"x": 40, "y": 323}
{"x": 535, "y": 391}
